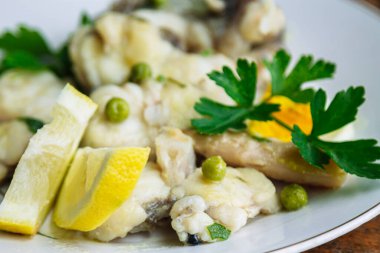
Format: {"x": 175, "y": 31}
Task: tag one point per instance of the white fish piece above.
{"x": 192, "y": 69}
{"x": 241, "y": 187}
{"x": 14, "y": 138}
{"x": 257, "y": 23}
{"x": 148, "y": 204}
{"x": 28, "y": 93}
{"x": 123, "y": 220}
{"x": 131, "y": 132}
{"x": 178, "y": 103}
{"x": 105, "y": 54}
{"x": 242, "y": 194}
{"x": 262, "y": 20}
{"x": 276, "y": 160}
{"x": 153, "y": 105}
{"x": 93, "y": 64}
{"x": 175, "y": 155}
{"x": 182, "y": 33}
{"x": 189, "y": 218}
{"x": 231, "y": 216}
{"x": 165, "y": 21}
{"x": 178, "y": 99}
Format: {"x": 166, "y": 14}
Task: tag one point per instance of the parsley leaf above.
{"x": 342, "y": 110}
{"x": 218, "y": 231}
{"x": 24, "y": 39}
{"x": 305, "y": 70}
{"x": 32, "y": 123}
{"x": 26, "y": 48}
{"x": 222, "y": 117}
{"x": 308, "y": 150}
{"x": 355, "y": 157}
{"x": 263, "y": 112}
{"x": 242, "y": 90}
{"x": 85, "y": 19}
{"x": 21, "y": 59}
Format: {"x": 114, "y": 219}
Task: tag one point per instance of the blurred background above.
{"x": 374, "y": 2}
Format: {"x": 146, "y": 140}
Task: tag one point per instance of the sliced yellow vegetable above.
{"x": 290, "y": 113}
{"x": 43, "y": 165}
{"x": 97, "y": 184}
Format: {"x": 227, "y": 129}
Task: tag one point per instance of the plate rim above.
{"x": 332, "y": 233}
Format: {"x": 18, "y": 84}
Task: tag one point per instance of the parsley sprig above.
{"x": 243, "y": 91}
{"x": 355, "y": 157}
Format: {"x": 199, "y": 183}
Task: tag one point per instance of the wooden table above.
{"x": 374, "y": 2}
{"x": 366, "y": 238}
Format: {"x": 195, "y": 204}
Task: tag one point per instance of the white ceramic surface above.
{"x": 339, "y": 30}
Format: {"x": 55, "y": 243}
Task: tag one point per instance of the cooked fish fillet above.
{"x": 242, "y": 194}
{"x": 276, "y": 160}
{"x": 175, "y": 155}
{"x": 28, "y": 93}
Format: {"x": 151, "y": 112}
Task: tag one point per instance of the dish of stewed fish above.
{"x": 187, "y": 115}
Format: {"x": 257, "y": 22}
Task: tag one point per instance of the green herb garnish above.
{"x": 32, "y": 123}
{"x": 355, "y": 157}
{"x": 26, "y": 48}
{"x": 305, "y": 70}
{"x": 85, "y": 19}
{"x": 243, "y": 91}
{"x": 207, "y": 52}
{"x": 219, "y": 232}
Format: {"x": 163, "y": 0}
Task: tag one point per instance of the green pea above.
{"x": 214, "y": 168}
{"x": 140, "y": 72}
{"x": 293, "y": 197}
{"x": 117, "y": 110}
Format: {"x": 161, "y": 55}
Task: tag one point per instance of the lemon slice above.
{"x": 44, "y": 163}
{"x": 97, "y": 184}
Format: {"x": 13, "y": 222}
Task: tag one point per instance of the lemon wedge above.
{"x": 97, "y": 184}
{"x": 44, "y": 163}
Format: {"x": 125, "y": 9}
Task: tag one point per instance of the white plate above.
{"x": 339, "y": 30}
